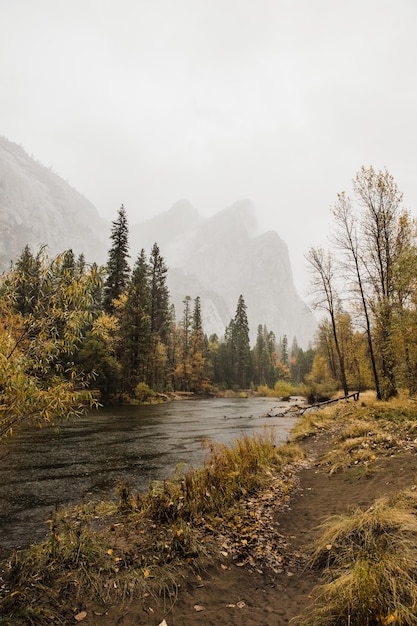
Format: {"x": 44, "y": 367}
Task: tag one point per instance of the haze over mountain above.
{"x": 217, "y": 258}
{"x": 38, "y": 207}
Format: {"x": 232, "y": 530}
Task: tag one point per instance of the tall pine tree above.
{"x": 118, "y": 270}
{"x": 241, "y": 345}
{"x": 135, "y": 325}
{"x": 159, "y": 320}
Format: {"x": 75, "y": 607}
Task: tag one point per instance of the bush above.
{"x": 144, "y": 393}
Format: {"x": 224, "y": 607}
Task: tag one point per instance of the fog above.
{"x": 146, "y": 102}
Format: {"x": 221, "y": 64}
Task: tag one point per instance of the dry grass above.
{"x": 369, "y": 562}
{"x": 137, "y": 546}
{"x": 362, "y": 431}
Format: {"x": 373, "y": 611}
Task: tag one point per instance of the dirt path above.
{"x": 227, "y": 595}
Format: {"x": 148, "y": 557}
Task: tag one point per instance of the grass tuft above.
{"x": 369, "y": 563}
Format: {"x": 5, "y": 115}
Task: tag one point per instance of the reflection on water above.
{"x": 86, "y": 457}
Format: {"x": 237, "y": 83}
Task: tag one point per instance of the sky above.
{"x": 147, "y": 102}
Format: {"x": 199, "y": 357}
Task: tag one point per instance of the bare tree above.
{"x": 325, "y": 298}
{"x": 374, "y": 237}
{"x": 346, "y": 239}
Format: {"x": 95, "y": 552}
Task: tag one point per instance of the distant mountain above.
{"x": 217, "y": 258}
{"x": 38, "y": 207}
{"x": 220, "y": 258}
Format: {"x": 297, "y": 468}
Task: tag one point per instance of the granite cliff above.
{"x": 220, "y": 258}
{"x": 216, "y": 258}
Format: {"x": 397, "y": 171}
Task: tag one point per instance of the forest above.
{"x": 73, "y": 334}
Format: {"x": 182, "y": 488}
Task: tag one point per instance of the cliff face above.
{"x": 37, "y": 207}
{"x": 217, "y": 258}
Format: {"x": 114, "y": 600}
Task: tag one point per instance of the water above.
{"x": 86, "y": 457}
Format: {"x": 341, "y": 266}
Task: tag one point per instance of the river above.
{"x": 42, "y": 469}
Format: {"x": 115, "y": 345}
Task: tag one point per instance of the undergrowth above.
{"x": 360, "y": 432}
{"x": 134, "y": 548}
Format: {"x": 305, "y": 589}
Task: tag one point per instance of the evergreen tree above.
{"x": 284, "y": 350}
{"x": 160, "y": 321}
{"x": 27, "y": 279}
{"x": 241, "y": 345}
{"x": 199, "y": 347}
{"x": 118, "y": 270}
{"x": 135, "y": 325}
{"x": 159, "y": 294}
{"x": 264, "y": 358}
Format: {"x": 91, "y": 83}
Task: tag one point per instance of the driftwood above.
{"x": 300, "y": 410}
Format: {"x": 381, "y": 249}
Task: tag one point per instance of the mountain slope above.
{"x": 37, "y": 207}
{"x": 217, "y": 258}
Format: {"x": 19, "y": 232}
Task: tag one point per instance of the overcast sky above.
{"x": 146, "y": 102}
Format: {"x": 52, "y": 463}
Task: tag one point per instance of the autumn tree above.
{"x": 326, "y": 298}
{"x": 38, "y": 379}
{"x": 373, "y": 236}
{"x": 199, "y": 347}
{"x": 182, "y": 372}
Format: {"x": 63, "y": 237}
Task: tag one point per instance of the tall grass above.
{"x": 228, "y": 474}
{"x": 369, "y": 562}
{"x": 133, "y": 547}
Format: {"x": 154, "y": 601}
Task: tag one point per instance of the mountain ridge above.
{"x": 217, "y": 258}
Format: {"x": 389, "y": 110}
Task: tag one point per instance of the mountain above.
{"x": 38, "y": 207}
{"x": 220, "y": 258}
{"x": 216, "y": 258}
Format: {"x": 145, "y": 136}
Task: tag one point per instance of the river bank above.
{"x": 85, "y": 458}
{"x": 256, "y": 566}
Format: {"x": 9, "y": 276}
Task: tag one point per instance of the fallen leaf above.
{"x": 224, "y": 567}
{"x": 80, "y": 616}
{"x": 240, "y": 604}
{"x": 198, "y": 607}
{"x": 163, "y": 623}
{"x": 146, "y": 573}
{"x": 230, "y": 606}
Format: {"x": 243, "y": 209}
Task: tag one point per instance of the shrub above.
{"x": 369, "y": 559}
{"x": 144, "y": 393}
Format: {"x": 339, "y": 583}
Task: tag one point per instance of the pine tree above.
{"x": 241, "y": 345}
{"x": 27, "y": 277}
{"x": 159, "y": 294}
{"x": 160, "y": 321}
{"x": 118, "y": 270}
{"x": 135, "y": 325}
{"x": 264, "y": 358}
{"x": 199, "y": 378}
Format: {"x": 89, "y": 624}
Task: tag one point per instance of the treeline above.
{"x": 69, "y": 329}
{"x": 366, "y": 284}
{"x": 137, "y": 345}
